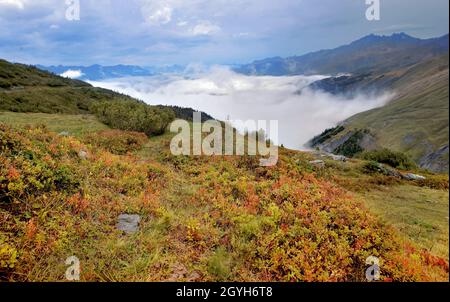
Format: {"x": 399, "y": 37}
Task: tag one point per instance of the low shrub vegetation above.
{"x": 203, "y": 218}
{"x": 133, "y": 116}
{"x": 117, "y": 142}
{"x": 392, "y": 158}
{"x": 352, "y": 146}
{"x": 327, "y": 134}
{"x": 55, "y": 204}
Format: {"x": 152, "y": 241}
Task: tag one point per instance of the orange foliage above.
{"x": 78, "y": 203}
{"x": 13, "y": 173}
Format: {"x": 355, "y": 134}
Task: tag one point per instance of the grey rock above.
{"x": 128, "y": 223}
{"x": 435, "y": 160}
{"x": 83, "y": 155}
{"x": 64, "y": 133}
{"x": 334, "y": 143}
{"x": 411, "y": 176}
{"x": 368, "y": 142}
{"x": 339, "y": 157}
{"x": 318, "y": 163}
{"x": 391, "y": 172}
{"x": 388, "y": 171}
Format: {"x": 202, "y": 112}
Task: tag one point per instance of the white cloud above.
{"x": 161, "y": 16}
{"x": 19, "y": 4}
{"x": 205, "y": 28}
{"x": 73, "y": 74}
{"x": 157, "y": 13}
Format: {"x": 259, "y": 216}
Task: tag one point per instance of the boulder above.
{"x": 318, "y": 163}
{"x": 385, "y": 170}
{"x": 410, "y": 176}
{"x": 128, "y": 223}
{"x": 64, "y": 133}
{"x": 388, "y": 171}
{"x": 83, "y": 155}
{"x": 339, "y": 157}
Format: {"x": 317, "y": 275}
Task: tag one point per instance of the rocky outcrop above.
{"x": 410, "y": 176}
{"x": 346, "y": 142}
{"x": 436, "y": 161}
{"x": 318, "y": 163}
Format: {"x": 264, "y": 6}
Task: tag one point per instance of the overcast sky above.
{"x": 165, "y": 32}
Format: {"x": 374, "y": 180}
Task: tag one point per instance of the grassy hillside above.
{"x": 415, "y": 122}
{"x": 206, "y": 218}
{"x": 28, "y": 89}
{"x": 75, "y": 125}
{"x": 419, "y": 212}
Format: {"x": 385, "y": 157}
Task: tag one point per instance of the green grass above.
{"x": 76, "y": 125}
{"x": 421, "y": 214}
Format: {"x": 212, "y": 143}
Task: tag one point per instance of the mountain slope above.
{"x": 416, "y": 121}
{"x": 28, "y": 89}
{"x": 369, "y": 54}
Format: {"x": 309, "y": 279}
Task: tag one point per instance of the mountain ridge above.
{"x": 368, "y": 54}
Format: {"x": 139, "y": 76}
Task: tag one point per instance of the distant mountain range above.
{"x": 99, "y": 72}
{"x": 372, "y": 53}
{"x": 369, "y": 54}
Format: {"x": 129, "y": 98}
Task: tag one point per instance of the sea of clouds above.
{"x": 224, "y": 94}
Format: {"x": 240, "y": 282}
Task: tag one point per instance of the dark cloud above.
{"x": 158, "y": 32}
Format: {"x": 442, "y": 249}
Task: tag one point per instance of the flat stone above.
{"x": 338, "y": 157}
{"x": 318, "y": 163}
{"x": 411, "y": 176}
{"x": 83, "y": 155}
{"x": 128, "y": 223}
{"x": 64, "y": 133}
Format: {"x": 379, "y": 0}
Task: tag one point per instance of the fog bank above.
{"x": 225, "y": 94}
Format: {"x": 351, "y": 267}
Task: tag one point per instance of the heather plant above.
{"x": 203, "y": 218}
{"x": 392, "y": 158}
{"x": 117, "y": 142}
{"x": 133, "y": 116}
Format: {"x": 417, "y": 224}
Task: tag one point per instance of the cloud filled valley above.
{"x": 302, "y": 113}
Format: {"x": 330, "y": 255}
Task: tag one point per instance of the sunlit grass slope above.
{"x": 76, "y": 125}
